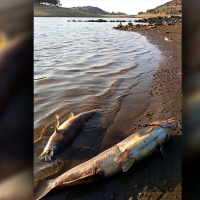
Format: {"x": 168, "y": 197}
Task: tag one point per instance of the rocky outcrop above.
{"x": 98, "y": 20}
{"x": 160, "y": 20}
{"x": 152, "y": 22}
{"x": 172, "y": 7}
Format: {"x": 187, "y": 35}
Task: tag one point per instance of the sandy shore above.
{"x": 165, "y": 102}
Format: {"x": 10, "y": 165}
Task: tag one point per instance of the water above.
{"x": 80, "y": 66}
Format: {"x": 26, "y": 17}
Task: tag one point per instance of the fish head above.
{"x": 52, "y": 148}
{"x": 169, "y": 125}
{"x": 50, "y": 153}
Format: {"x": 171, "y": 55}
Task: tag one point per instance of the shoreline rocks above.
{"x": 98, "y": 20}
{"x": 152, "y": 22}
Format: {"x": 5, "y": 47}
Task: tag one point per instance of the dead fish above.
{"x": 65, "y": 133}
{"x": 117, "y": 158}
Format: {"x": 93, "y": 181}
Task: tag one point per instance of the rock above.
{"x": 152, "y": 22}
{"x": 140, "y": 194}
{"x": 120, "y": 25}
{"x": 138, "y": 25}
{"x": 101, "y": 20}
{"x": 152, "y": 26}
{"x": 130, "y": 23}
{"x": 167, "y": 39}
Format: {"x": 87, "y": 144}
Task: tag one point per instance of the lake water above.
{"x": 81, "y": 66}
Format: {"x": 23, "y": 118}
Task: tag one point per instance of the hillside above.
{"x": 41, "y": 10}
{"x": 172, "y": 7}
{"x": 90, "y": 9}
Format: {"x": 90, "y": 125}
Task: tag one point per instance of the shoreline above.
{"x": 166, "y": 102}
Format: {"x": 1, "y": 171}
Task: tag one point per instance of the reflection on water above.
{"x": 83, "y": 66}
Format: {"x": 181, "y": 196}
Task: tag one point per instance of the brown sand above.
{"x": 166, "y": 102}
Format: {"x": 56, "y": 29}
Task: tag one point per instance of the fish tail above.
{"x": 44, "y": 187}
{"x": 56, "y": 122}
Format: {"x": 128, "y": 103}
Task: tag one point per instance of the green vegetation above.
{"x": 90, "y": 9}
{"x": 41, "y": 10}
{"x": 172, "y": 7}
{"x": 140, "y": 13}
{"x": 52, "y": 2}
{"x": 54, "y": 10}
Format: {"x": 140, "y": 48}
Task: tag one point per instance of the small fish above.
{"x": 65, "y": 133}
{"x": 117, "y": 158}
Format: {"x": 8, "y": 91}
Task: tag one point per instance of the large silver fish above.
{"x": 117, "y": 158}
{"x": 65, "y": 133}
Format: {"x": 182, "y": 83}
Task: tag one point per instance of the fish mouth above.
{"x": 46, "y": 157}
{"x": 49, "y": 155}
{"x": 170, "y": 123}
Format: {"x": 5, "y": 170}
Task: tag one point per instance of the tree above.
{"x": 140, "y": 13}
{"x": 54, "y": 2}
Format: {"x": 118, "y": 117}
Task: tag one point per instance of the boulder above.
{"x": 130, "y": 24}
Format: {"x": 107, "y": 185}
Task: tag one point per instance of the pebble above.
{"x": 144, "y": 125}
{"x": 140, "y": 194}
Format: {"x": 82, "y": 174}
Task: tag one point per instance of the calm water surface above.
{"x": 80, "y": 66}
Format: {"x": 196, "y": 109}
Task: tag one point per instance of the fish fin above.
{"x": 79, "y": 178}
{"x": 43, "y": 187}
{"x": 163, "y": 152}
{"x": 146, "y": 130}
{"x": 150, "y": 129}
{"x": 61, "y": 136}
{"x": 56, "y": 122}
{"x": 71, "y": 116}
{"x": 127, "y": 164}
{"x": 122, "y": 157}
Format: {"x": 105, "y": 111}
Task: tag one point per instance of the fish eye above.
{"x": 55, "y": 146}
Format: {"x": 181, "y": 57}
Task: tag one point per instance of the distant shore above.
{"x": 153, "y": 15}
{"x": 41, "y": 10}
